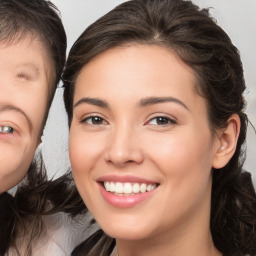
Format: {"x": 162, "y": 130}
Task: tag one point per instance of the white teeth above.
{"x": 151, "y": 187}
{"x": 136, "y": 188}
{"x": 112, "y": 187}
{"x": 143, "y": 188}
{"x": 128, "y": 188}
{"x": 119, "y": 188}
{"x": 107, "y": 186}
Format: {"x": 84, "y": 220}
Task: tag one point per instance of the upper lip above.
{"x": 125, "y": 178}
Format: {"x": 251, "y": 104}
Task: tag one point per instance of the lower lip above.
{"x": 125, "y": 201}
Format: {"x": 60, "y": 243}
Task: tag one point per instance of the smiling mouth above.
{"x": 127, "y": 188}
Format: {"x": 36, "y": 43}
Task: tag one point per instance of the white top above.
{"x": 61, "y": 236}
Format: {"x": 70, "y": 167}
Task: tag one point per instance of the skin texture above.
{"x": 24, "y": 82}
{"x": 130, "y": 140}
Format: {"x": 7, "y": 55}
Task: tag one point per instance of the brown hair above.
{"x": 38, "y": 18}
{"x": 21, "y": 215}
{"x": 18, "y": 19}
{"x": 204, "y": 46}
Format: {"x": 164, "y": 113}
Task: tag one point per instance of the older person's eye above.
{"x": 94, "y": 120}
{"x": 6, "y": 129}
{"x": 23, "y": 76}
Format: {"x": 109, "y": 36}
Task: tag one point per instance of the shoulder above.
{"x": 60, "y": 235}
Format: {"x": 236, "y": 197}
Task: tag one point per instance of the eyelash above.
{"x": 97, "y": 120}
{"x": 94, "y": 118}
{"x": 166, "y": 121}
{"x": 23, "y": 76}
{"x": 6, "y": 129}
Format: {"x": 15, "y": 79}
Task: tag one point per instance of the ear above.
{"x": 226, "y": 142}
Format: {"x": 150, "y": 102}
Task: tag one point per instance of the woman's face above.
{"x": 140, "y": 145}
{"x": 25, "y": 74}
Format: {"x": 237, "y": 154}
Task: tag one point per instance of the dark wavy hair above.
{"x": 21, "y": 214}
{"x": 200, "y": 43}
{"x": 39, "y": 19}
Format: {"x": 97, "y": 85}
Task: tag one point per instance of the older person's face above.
{"x": 25, "y": 73}
{"x": 141, "y": 148}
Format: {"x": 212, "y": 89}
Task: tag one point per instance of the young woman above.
{"x": 32, "y": 53}
{"x": 154, "y": 96}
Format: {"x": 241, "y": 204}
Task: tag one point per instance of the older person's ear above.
{"x": 227, "y": 141}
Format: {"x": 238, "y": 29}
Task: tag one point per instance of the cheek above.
{"x": 184, "y": 158}
{"x": 15, "y": 160}
{"x": 84, "y": 151}
{"x": 84, "y": 154}
{"x": 185, "y": 166}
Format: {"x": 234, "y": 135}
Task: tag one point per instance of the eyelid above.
{"x": 14, "y": 126}
{"x": 88, "y": 116}
{"x": 24, "y": 76}
{"x": 11, "y": 135}
{"x": 7, "y": 123}
{"x": 172, "y": 119}
{"x": 27, "y": 71}
{"x": 4, "y": 129}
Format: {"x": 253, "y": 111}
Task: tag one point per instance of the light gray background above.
{"x": 236, "y": 17}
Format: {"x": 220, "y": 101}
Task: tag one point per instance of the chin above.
{"x": 126, "y": 233}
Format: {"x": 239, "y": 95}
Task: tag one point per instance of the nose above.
{"x": 123, "y": 148}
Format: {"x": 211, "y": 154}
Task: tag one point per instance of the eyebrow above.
{"x": 8, "y": 107}
{"x": 93, "y": 101}
{"x": 142, "y": 103}
{"x": 157, "y": 100}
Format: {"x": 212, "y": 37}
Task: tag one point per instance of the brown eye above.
{"x": 161, "y": 120}
{"x": 94, "y": 120}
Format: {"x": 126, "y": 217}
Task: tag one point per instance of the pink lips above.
{"x": 124, "y": 201}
